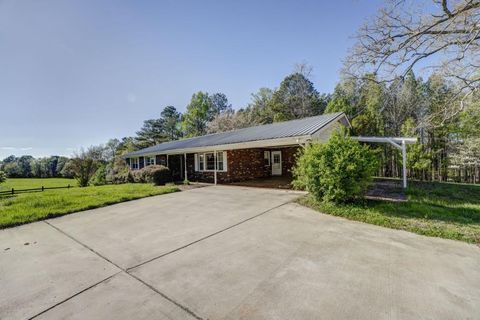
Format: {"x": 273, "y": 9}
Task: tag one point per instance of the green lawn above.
{"x": 20, "y": 183}
{"x": 445, "y": 210}
{"x": 28, "y": 207}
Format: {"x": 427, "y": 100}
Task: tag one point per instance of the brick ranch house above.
{"x": 244, "y": 154}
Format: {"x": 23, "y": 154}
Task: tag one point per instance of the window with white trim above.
{"x": 150, "y": 161}
{"x": 206, "y": 161}
{"x": 220, "y": 161}
{"x": 266, "y": 157}
{"x": 134, "y": 163}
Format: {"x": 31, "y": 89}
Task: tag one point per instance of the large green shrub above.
{"x": 3, "y": 176}
{"x": 161, "y": 175}
{"x": 156, "y": 174}
{"x": 338, "y": 171}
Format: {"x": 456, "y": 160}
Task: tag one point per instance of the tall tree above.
{"x": 151, "y": 133}
{"x": 218, "y": 104}
{"x": 441, "y": 35}
{"x": 198, "y": 115}
{"x": 259, "y": 110}
{"x": 171, "y": 122}
{"x": 296, "y": 98}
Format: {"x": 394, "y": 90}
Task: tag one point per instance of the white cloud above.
{"x": 8, "y": 148}
{"x": 25, "y": 149}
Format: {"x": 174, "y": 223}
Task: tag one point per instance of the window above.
{"x": 210, "y": 161}
{"x": 134, "y": 163}
{"x": 206, "y": 161}
{"x": 220, "y": 161}
{"x": 266, "y": 157}
{"x": 163, "y": 161}
{"x": 201, "y": 162}
{"x": 150, "y": 161}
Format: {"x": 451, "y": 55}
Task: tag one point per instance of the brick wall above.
{"x": 244, "y": 164}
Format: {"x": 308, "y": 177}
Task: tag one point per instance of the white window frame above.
{"x": 201, "y": 166}
{"x": 150, "y": 163}
{"x": 266, "y": 156}
{"x": 135, "y": 163}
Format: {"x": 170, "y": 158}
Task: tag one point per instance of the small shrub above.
{"x": 338, "y": 171}
{"x": 100, "y": 176}
{"x": 3, "y": 176}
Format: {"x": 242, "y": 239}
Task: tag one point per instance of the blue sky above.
{"x": 76, "y": 73}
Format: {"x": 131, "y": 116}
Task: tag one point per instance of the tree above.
{"x": 259, "y": 110}
{"x": 127, "y": 144}
{"x": 3, "y": 177}
{"x": 12, "y": 170}
{"x": 197, "y": 116}
{"x": 218, "y": 104}
{"x": 151, "y": 133}
{"x": 445, "y": 37}
{"x": 171, "y": 122}
{"x": 296, "y": 98}
{"x": 85, "y": 163}
{"x": 340, "y": 104}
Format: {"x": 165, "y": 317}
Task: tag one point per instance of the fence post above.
{"x": 13, "y": 191}
{"x": 68, "y": 186}
{"x": 43, "y": 188}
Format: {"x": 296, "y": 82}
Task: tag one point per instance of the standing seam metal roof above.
{"x": 286, "y": 129}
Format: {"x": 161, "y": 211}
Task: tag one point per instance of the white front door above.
{"x": 276, "y": 163}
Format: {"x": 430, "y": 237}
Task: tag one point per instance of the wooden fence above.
{"x": 13, "y": 190}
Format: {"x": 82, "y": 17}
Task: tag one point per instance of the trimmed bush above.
{"x": 156, "y": 174}
{"x": 160, "y": 175}
{"x": 337, "y": 171}
{"x": 119, "y": 178}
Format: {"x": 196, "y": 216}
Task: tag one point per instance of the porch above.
{"x": 280, "y": 182}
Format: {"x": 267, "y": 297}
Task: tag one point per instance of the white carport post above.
{"x": 215, "y": 167}
{"x": 185, "y": 165}
{"x": 404, "y": 163}
{"x": 394, "y": 142}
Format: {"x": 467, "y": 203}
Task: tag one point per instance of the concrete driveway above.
{"x": 230, "y": 253}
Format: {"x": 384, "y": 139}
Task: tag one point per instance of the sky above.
{"x": 77, "y": 73}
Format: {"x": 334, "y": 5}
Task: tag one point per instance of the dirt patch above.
{"x": 386, "y": 190}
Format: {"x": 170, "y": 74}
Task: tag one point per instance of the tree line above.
{"x": 448, "y": 150}
{"x": 378, "y": 91}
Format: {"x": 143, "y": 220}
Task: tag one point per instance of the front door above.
{"x": 276, "y": 163}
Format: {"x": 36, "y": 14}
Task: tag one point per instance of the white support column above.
{"x": 167, "y": 162}
{"x": 185, "y": 165}
{"x": 404, "y": 164}
{"x": 215, "y": 170}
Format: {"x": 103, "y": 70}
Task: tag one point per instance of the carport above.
{"x": 399, "y": 143}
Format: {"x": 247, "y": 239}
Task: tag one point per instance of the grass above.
{"x": 21, "y": 183}
{"x": 446, "y": 210}
{"x": 28, "y": 207}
